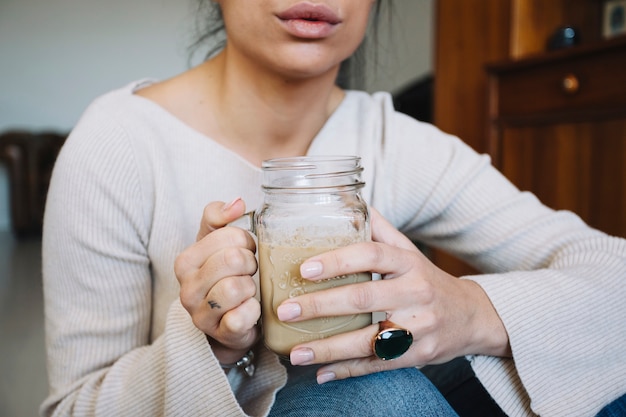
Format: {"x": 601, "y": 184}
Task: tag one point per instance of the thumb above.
{"x": 218, "y": 214}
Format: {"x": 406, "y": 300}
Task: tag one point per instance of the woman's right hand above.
{"x": 216, "y": 284}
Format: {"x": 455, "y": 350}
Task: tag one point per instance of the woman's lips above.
{"x": 309, "y": 21}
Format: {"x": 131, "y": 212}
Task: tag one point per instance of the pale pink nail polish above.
{"x": 326, "y": 377}
{"x": 301, "y": 356}
{"x": 232, "y": 203}
{"x": 288, "y": 311}
{"x": 311, "y": 269}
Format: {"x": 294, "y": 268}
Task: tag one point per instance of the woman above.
{"x": 147, "y": 315}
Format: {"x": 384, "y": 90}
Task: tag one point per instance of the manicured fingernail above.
{"x": 325, "y": 377}
{"x": 302, "y": 356}
{"x": 229, "y": 205}
{"x": 288, "y": 311}
{"x": 310, "y": 269}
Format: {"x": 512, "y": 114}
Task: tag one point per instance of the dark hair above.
{"x": 210, "y": 36}
{"x": 209, "y": 29}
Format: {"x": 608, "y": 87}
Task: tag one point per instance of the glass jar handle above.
{"x": 246, "y": 222}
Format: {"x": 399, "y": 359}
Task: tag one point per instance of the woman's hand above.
{"x": 216, "y": 284}
{"x": 448, "y": 317}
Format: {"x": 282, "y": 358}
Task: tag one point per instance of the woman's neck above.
{"x": 265, "y": 115}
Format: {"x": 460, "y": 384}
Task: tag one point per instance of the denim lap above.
{"x": 399, "y": 393}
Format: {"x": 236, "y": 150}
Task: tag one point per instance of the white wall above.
{"x": 57, "y": 55}
{"x": 405, "y": 46}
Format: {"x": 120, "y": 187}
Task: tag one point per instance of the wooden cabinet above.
{"x": 558, "y": 129}
{"x": 552, "y": 121}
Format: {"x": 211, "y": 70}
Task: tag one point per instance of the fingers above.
{"x": 340, "y": 347}
{"x": 393, "y": 257}
{"x": 348, "y": 355}
{"x": 346, "y": 300}
{"x": 237, "y": 331}
{"x": 390, "y": 253}
{"x": 233, "y": 325}
{"x": 219, "y": 295}
{"x": 218, "y": 254}
{"x": 226, "y": 295}
{"x": 217, "y": 214}
{"x": 197, "y": 281}
{"x": 358, "y": 367}
{"x": 365, "y": 256}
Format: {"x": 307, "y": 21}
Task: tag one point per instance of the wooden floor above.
{"x": 23, "y": 384}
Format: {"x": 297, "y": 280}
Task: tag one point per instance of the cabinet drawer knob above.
{"x": 570, "y": 84}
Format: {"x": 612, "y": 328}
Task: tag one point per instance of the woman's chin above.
{"x": 307, "y": 65}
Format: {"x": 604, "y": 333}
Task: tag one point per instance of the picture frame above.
{"x": 613, "y": 18}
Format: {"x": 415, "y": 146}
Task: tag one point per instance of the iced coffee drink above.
{"x": 281, "y": 280}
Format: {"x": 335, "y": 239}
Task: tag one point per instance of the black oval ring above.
{"x": 391, "y": 341}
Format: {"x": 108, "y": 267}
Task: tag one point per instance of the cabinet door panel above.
{"x": 573, "y": 166}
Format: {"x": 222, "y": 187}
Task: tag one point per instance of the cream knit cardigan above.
{"x": 126, "y": 198}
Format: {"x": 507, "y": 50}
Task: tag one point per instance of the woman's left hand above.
{"x": 448, "y": 317}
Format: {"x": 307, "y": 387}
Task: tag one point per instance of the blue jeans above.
{"x": 458, "y": 384}
{"x": 615, "y": 409}
{"x": 399, "y": 393}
